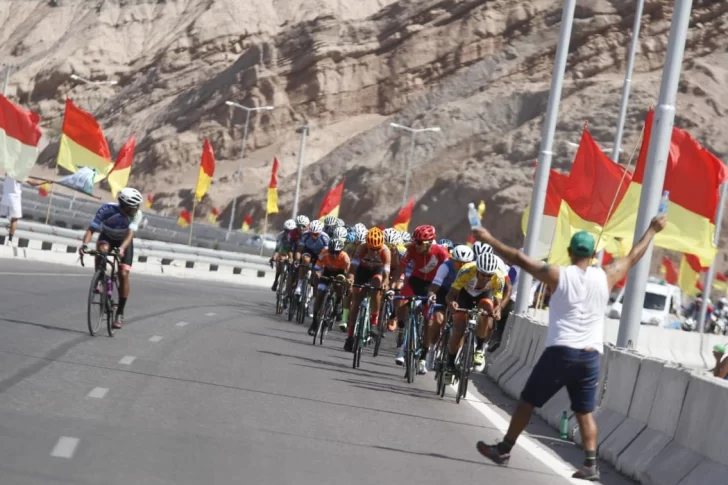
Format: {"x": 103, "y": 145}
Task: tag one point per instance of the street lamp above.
{"x": 413, "y": 132}
{"x": 239, "y": 172}
{"x": 304, "y": 129}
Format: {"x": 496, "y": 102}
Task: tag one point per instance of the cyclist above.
{"x": 333, "y": 262}
{"x": 426, "y": 257}
{"x": 310, "y": 246}
{"x": 371, "y": 264}
{"x": 506, "y": 304}
{"x": 302, "y": 223}
{"x": 116, "y": 224}
{"x": 477, "y": 283}
{"x": 330, "y": 223}
{"x": 440, "y": 287}
{"x": 406, "y": 238}
{"x": 284, "y": 247}
{"x": 355, "y": 238}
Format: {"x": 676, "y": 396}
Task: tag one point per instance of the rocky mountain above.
{"x": 479, "y": 69}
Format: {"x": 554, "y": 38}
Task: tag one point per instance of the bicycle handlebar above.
{"x": 93, "y": 252}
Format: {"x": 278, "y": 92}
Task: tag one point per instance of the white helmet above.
{"x": 340, "y": 233}
{"x": 392, "y": 236}
{"x": 462, "y": 254}
{"x": 406, "y": 237}
{"x": 481, "y": 247}
{"x": 302, "y": 221}
{"x": 330, "y": 221}
{"x": 340, "y": 222}
{"x": 316, "y": 227}
{"x": 361, "y": 234}
{"x": 289, "y": 225}
{"x": 359, "y": 226}
{"x": 486, "y": 263}
{"x": 130, "y": 197}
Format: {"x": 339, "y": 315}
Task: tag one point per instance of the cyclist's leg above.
{"x": 392, "y": 323}
{"x": 102, "y": 246}
{"x": 305, "y": 259}
{"x": 420, "y": 287}
{"x": 375, "y": 300}
{"x": 465, "y": 301}
{"x": 279, "y": 268}
{"x": 319, "y": 298}
{"x": 124, "y": 288}
{"x": 434, "y": 327}
{"x": 500, "y": 327}
{"x": 484, "y": 330}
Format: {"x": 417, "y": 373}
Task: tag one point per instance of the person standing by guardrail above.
{"x": 575, "y": 338}
{"x": 11, "y": 204}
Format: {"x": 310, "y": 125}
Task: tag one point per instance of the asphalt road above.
{"x": 232, "y": 395}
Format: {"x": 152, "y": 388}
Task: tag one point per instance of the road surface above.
{"x": 205, "y": 385}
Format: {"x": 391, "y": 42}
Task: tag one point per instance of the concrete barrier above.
{"x": 509, "y": 356}
{"x": 517, "y": 382}
{"x": 520, "y": 356}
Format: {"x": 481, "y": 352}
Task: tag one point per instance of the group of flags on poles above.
{"x": 602, "y": 197}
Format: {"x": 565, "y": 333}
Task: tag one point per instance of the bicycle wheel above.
{"x": 292, "y": 304}
{"x": 381, "y": 326}
{"x": 282, "y": 284}
{"x": 466, "y": 360}
{"x": 441, "y": 362}
{"x": 96, "y": 304}
{"x": 357, "y": 339}
{"x": 112, "y": 300}
{"x": 327, "y": 318}
{"x": 364, "y": 331}
{"x": 412, "y": 346}
{"x": 320, "y": 320}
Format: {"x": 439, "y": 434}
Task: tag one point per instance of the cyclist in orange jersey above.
{"x": 333, "y": 262}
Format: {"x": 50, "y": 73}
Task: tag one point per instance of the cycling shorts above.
{"x": 415, "y": 287}
{"x": 466, "y": 301}
{"x": 128, "y": 258}
{"x": 329, "y": 273}
{"x": 364, "y": 275}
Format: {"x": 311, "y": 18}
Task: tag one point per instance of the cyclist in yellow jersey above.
{"x": 356, "y": 236}
{"x": 479, "y": 284}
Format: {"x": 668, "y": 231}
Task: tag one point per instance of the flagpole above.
{"x": 711, "y": 270}
{"x": 192, "y": 220}
{"x": 265, "y": 231}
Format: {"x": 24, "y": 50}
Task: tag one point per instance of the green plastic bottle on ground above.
{"x": 564, "y": 426}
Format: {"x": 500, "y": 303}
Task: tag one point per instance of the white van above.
{"x": 661, "y": 305}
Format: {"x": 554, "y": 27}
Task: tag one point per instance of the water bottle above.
{"x": 564, "y": 426}
{"x": 663, "y": 203}
{"x": 719, "y": 348}
{"x": 473, "y": 216}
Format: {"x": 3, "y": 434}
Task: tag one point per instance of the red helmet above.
{"x": 424, "y": 233}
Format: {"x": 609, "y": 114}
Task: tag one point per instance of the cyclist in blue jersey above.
{"x": 116, "y": 225}
{"x": 284, "y": 247}
{"x": 309, "y": 247}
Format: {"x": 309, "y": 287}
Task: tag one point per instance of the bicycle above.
{"x": 362, "y": 325}
{"x": 327, "y": 311}
{"x": 412, "y": 334}
{"x": 290, "y": 296}
{"x": 281, "y": 295}
{"x": 386, "y": 311}
{"x": 109, "y": 294}
{"x": 464, "y": 363}
{"x": 440, "y": 358}
{"x": 305, "y": 297}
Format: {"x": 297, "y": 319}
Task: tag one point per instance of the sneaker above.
{"x": 588, "y": 473}
{"x": 449, "y": 376}
{"x": 430, "y": 359}
{"x": 399, "y": 360}
{"x": 275, "y": 286}
{"x": 421, "y": 367}
{"x": 343, "y": 326}
{"x": 478, "y": 358}
{"x": 118, "y": 321}
{"x": 491, "y": 452}
{"x": 349, "y": 344}
{"x": 312, "y": 329}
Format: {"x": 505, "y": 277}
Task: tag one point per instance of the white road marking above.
{"x": 127, "y": 360}
{"x": 211, "y": 314}
{"x": 531, "y": 446}
{"x": 155, "y": 339}
{"x": 98, "y": 392}
{"x": 182, "y": 324}
{"x": 10, "y": 273}
{"x": 65, "y": 447}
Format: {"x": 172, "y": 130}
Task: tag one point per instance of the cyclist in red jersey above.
{"x": 426, "y": 257}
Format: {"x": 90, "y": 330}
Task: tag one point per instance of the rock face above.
{"x": 479, "y": 69}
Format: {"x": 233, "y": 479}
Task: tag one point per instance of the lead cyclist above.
{"x": 116, "y": 224}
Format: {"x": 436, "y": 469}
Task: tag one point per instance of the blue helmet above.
{"x": 447, "y": 243}
{"x": 351, "y": 236}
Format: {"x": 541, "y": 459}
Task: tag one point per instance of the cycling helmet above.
{"x": 406, "y": 237}
{"x": 289, "y": 225}
{"x": 330, "y": 221}
{"x": 462, "y": 254}
{"x": 340, "y": 223}
{"x": 481, "y": 247}
{"x": 339, "y": 233}
{"x": 129, "y": 197}
{"x": 316, "y": 227}
{"x": 392, "y": 236}
{"x": 359, "y": 225}
{"x": 351, "y": 237}
{"x": 447, "y": 243}
{"x": 424, "y": 233}
{"x": 375, "y": 238}
{"x": 336, "y": 245}
{"x": 361, "y": 234}
{"x": 486, "y": 263}
{"x": 302, "y": 221}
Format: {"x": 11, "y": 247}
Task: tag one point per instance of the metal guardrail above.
{"x": 142, "y": 247}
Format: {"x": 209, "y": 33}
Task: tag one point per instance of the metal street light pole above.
{"x": 242, "y": 154}
{"x": 413, "y": 133}
{"x": 538, "y": 198}
{"x": 654, "y": 179}
{"x": 304, "y": 133}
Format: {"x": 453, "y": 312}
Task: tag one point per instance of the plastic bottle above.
{"x": 473, "y": 216}
{"x": 564, "y": 426}
{"x": 720, "y": 348}
{"x": 664, "y": 200}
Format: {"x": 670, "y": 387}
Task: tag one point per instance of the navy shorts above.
{"x": 576, "y": 369}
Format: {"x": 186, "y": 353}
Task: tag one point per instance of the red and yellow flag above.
{"x": 272, "y": 206}
{"x": 720, "y": 283}
{"x": 185, "y": 218}
{"x": 247, "y": 223}
{"x": 401, "y": 222}
{"x": 149, "y": 202}
{"x": 207, "y": 170}
{"x": 44, "y": 189}
{"x": 19, "y": 137}
{"x": 690, "y": 272}
{"x": 693, "y": 177}
{"x": 119, "y": 174}
{"x": 213, "y": 215}
{"x": 332, "y": 202}
{"x": 667, "y": 268}
{"x": 83, "y": 143}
